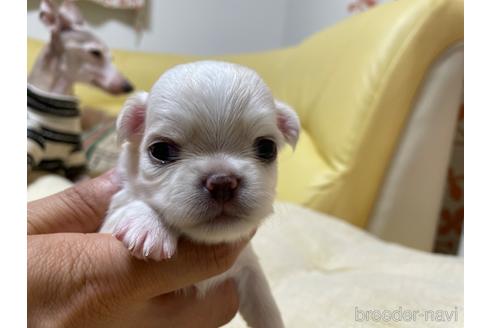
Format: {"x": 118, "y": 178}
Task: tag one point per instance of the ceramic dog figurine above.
{"x": 73, "y": 54}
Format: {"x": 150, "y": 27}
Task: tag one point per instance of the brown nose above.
{"x": 221, "y": 187}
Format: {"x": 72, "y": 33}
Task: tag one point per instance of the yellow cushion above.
{"x": 353, "y": 87}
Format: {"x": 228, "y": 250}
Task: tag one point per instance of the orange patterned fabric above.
{"x": 453, "y": 210}
{"x": 361, "y": 5}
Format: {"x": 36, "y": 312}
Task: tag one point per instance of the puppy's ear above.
{"x": 131, "y": 120}
{"x": 288, "y": 123}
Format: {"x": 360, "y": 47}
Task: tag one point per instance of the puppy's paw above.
{"x": 139, "y": 228}
{"x": 146, "y": 241}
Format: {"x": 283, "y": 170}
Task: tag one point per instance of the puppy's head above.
{"x": 202, "y": 148}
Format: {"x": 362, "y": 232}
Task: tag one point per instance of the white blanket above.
{"x": 327, "y": 273}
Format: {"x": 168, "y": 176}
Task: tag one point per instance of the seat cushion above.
{"x": 322, "y": 270}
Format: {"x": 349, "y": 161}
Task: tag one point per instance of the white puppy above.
{"x": 199, "y": 160}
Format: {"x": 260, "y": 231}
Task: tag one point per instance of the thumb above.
{"x": 80, "y": 208}
{"x": 104, "y": 264}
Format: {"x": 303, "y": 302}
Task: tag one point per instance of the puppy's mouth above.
{"x": 225, "y": 214}
{"x": 225, "y": 222}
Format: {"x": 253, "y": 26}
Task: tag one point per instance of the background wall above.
{"x": 208, "y": 27}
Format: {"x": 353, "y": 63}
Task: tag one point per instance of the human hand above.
{"x": 78, "y": 278}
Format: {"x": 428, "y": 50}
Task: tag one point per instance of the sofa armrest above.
{"x": 354, "y": 86}
{"x": 407, "y": 209}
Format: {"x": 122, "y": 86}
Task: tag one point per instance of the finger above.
{"x": 80, "y": 208}
{"x": 106, "y": 262}
{"x": 220, "y": 304}
{"x": 73, "y": 273}
{"x": 191, "y": 264}
{"x": 215, "y": 309}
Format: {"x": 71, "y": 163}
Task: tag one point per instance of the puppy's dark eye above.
{"x": 96, "y": 53}
{"x": 164, "y": 152}
{"x": 265, "y": 149}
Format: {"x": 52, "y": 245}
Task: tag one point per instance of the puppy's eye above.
{"x": 164, "y": 152}
{"x": 96, "y": 53}
{"x": 265, "y": 149}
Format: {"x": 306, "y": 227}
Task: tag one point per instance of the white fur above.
{"x": 214, "y": 111}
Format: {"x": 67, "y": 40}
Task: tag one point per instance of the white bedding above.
{"x": 327, "y": 273}
{"x": 321, "y": 268}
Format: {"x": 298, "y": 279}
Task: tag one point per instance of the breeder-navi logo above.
{"x": 406, "y": 315}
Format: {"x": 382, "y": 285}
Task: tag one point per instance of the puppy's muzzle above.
{"x": 221, "y": 187}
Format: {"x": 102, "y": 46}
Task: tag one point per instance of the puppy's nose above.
{"x": 222, "y": 187}
{"x": 127, "y": 87}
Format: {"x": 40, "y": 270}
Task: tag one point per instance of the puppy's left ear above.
{"x": 131, "y": 120}
{"x": 288, "y": 123}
